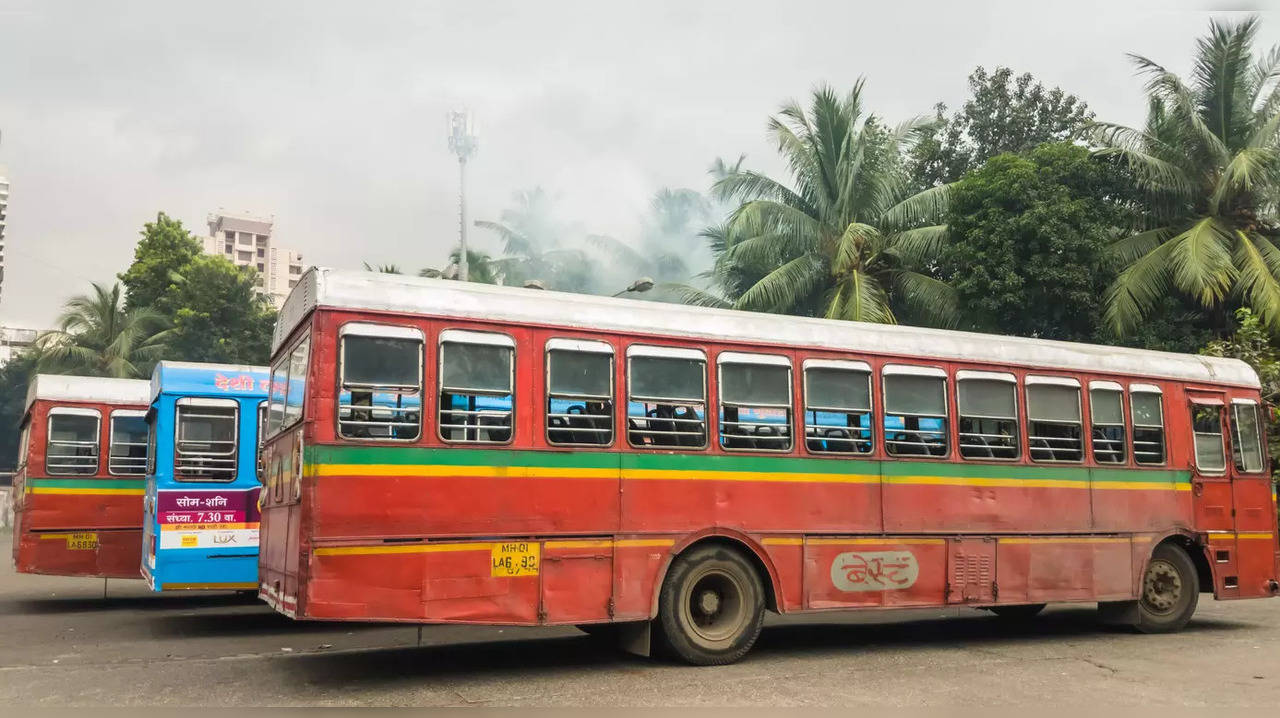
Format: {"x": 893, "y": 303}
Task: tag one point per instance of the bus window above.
{"x": 1148, "y": 424}
{"x": 837, "y": 409}
{"x": 755, "y": 402}
{"x": 1206, "y": 427}
{"x": 915, "y": 410}
{"x": 23, "y": 438}
{"x": 381, "y": 383}
{"x": 579, "y": 393}
{"x": 476, "y": 380}
{"x": 297, "y": 383}
{"x": 258, "y": 463}
{"x": 987, "y": 405}
{"x": 1106, "y": 419}
{"x": 277, "y": 394}
{"x": 72, "y": 446}
{"x": 205, "y": 449}
{"x": 127, "y": 455}
{"x": 1246, "y": 444}
{"x": 667, "y": 395}
{"x": 1054, "y": 428}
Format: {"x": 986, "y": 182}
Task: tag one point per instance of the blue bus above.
{"x": 200, "y": 526}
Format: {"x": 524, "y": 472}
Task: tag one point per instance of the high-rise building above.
{"x": 247, "y": 242}
{"x": 14, "y": 341}
{"x": 4, "y": 210}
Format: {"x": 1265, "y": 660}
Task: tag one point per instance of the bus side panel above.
{"x": 1140, "y": 500}
{"x": 111, "y": 554}
{"x": 84, "y": 509}
{"x": 912, "y": 507}
{"x": 386, "y": 490}
{"x": 682, "y": 493}
{"x": 865, "y": 572}
{"x": 1255, "y": 536}
{"x": 1064, "y": 568}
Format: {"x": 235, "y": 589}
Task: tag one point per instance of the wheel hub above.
{"x": 1161, "y": 587}
{"x": 709, "y": 603}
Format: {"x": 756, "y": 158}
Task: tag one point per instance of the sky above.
{"x": 331, "y": 117}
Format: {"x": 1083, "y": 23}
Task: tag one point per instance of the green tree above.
{"x": 98, "y": 336}
{"x": 1208, "y": 165}
{"x": 670, "y": 241}
{"x": 1005, "y": 113}
{"x": 1027, "y": 251}
{"x": 214, "y": 309}
{"x": 382, "y": 268}
{"x": 845, "y": 238}
{"x": 15, "y": 376}
{"x": 165, "y": 248}
{"x": 221, "y": 315}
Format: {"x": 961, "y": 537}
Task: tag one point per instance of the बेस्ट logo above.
{"x": 874, "y": 570}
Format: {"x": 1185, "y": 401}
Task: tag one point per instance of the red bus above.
{"x": 78, "y": 486}
{"x": 443, "y": 452}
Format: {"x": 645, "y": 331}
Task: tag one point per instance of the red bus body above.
{"x": 87, "y": 522}
{"x": 424, "y": 530}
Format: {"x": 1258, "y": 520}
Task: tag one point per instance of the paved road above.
{"x": 61, "y": 643}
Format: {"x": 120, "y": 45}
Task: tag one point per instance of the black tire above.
{"x": 711, "y": 607}
{"x": 1170, "y": 591}
{"x": 1024, "y": 612}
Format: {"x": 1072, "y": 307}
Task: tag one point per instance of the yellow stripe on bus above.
{"x": 766, "y": 476}
{"x": 208, "y": 587}
{"x": 86, "y": 492}
{"x": 481, "y": 546}
{"x": 1064, "y": 539}
{"x": 884, "y": 541}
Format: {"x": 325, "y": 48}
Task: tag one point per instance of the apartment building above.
{"x": 247, "y": 241}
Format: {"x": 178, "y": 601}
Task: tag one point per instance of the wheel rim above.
{"x": 1161, "y": 587}
{"x": 714, "y": 607}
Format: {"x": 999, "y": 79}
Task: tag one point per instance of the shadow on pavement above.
{"x": 154, "y": 602}
{"x": 558, "y": 653}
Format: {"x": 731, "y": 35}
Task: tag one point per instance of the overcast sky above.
{"x": 332, "y": 119}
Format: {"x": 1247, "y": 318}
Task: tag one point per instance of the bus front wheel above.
{"x": 1170, "y": 591}
{"x": 711, "y": 607}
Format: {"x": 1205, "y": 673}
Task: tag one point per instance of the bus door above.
{"x": 1211, "y": 493}
{"x": 1255, "y": 518}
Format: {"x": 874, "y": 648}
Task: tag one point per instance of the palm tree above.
{"x": 532, "y": 243}
{"x": 382, "y": 268}
{"x": 97, "y": 336}
{"x": 669, "y": 238}
{"x": 1208, "y": 165}
{"x": 845, "y": 238}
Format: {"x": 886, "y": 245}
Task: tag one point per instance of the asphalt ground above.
{"x": 62, "y": 643}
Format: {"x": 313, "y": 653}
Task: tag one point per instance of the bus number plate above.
{"x": 516, "y": 558}
{"x": 82, "y": 542}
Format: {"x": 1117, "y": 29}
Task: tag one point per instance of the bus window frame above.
{"x": 475, "y": 337}
{"x": 933, "y": 371}
{"x": 756, "y": 359}
{"x": 111, "y": 438}
{"x": 661, "y": 351}
{"x": 366, "y": 329}
{"x": 1235, "y": 434}
{"x": 1125, "y": 425}
{"x": 1201, "y": 402}
{"x": 48, "y": 438}
{"x": 851, "y": 366}
{"x": 995, "y": 376}
{"x": 1134, "y": 390}
{"x": 580, "y": 346}
{"x": 1031, "y": 380}
{"x": 208, "y": 402}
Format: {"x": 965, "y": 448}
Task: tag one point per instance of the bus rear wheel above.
{"x": 1170, "y": 591}
{"x": 711, "y": 607}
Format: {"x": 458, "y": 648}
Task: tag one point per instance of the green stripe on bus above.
{"x": 457, "y": 456}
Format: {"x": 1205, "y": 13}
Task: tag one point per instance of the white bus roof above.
{"x": 401, "y": 294}
{"x": 98, "y": 390}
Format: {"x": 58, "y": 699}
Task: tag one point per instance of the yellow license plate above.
{"x": 515, "y": 558}
{"x": 82, "y": 542}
